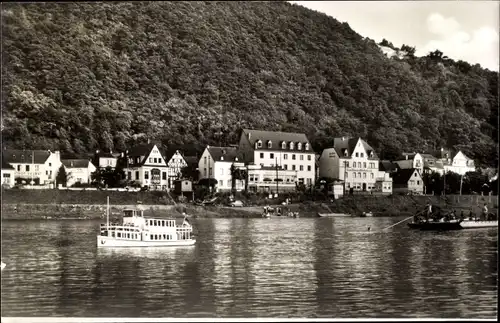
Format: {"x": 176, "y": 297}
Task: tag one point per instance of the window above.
{"x": 27, "y": 168}
{"x": 221, "y": 183}
{"x": 364, "y": 165}
{"x": 205, "y": 160}
{"x": 205, "y": 171}
{"x": 362, "y": 155}
{"x": 50, "y": 164}
{"x": 269, "y": 144}
{"x": 146, "y": 175}
{"x": 285, "y": 156}
{"x": 259, "y": 144}
{"x": 37, "y": 168}
{"x": 228, "y": 183}
{"x": 418, "y": 182}
{"x": 346, "y": 164}
{"x": 159, "y": 160}
{"x": 137, "y": 175}
{"x": 301, "y": 157}
{"x": 129, "y": 175}
{"x": 283, "y": 145}
{"x": 359, "y": 174}
{"x": 222, "y": 171}
{"x": 18, "y": 168}
{"x": 164, "y": 175}
{"x": 271, "y": 155}
{"x": 301, "y": 167}
{"x": 293, "y": 156}
{"x": 307, "y": 146}
{"x": 371, "y": 175}
{"x": 415, "y": 175}
{"x": 293, "y": 167}
{"x": 6, "y": 175}
{"x": 291, "y": 145}
{"x": 299, "y": 146}
{"x": 357, "y": 155}
{"x": 150, "y": 160}
{"x": 309, "y": 168}
{"x": 210, "y": 171}
{"x": 308, "y": 157}
{"x": 261, "y": 155}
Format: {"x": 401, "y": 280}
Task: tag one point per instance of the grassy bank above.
{"x": 59, "y": 204}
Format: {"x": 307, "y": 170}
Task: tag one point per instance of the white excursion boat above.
{"x": 324, "y": 215}
{"x": 3, "y": 265}
{"x": 138, "y": 231}
{"x": 472, "y": 224}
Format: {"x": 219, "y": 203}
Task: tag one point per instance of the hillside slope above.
{"x": 78, "y": 77}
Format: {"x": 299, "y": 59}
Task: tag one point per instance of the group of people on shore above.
{"x": 430, "y": 214}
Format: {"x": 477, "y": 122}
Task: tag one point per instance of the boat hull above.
{"x": 110, "y": 242}
{"x": 330, "y": 215}
{"x": 467, "y": 224}
{"x": 435, "y": 226}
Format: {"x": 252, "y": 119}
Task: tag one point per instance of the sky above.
{"x": 466, "y": 30}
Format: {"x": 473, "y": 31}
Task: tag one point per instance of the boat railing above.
{"x": 120, "y": 228}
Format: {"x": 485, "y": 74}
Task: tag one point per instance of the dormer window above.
{"x": 259, "y": 143}
{"x": 269, "y": 144}
{"x": 291, "y": 145}
{"x": 283, "y": 145}
{"x": 371, "y": 153}
{"x": 299, "y": 146}
{"x": 307, "y": 146}
{"x": 345, "y": 152}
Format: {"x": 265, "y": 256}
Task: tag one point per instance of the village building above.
{"x": 216, "y": 163}
{"x": 384, "y": 183}
{"x": 37, "y": 167}
{"x": 7, "y": 174}
{"x": 411, "y": 160}
{"x": 175, "y": 163}
{"x": 460, "y": 164}
{"x": 146, "y": 165}
{"x": 353, "y": 161}
{"x": 78, "y": 171}
{"x": 407, "y": 181}
{"x": 289, "y": 155}
{"x": 103, "y": 159}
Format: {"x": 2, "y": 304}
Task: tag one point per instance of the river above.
{"x": 279, "y": 267}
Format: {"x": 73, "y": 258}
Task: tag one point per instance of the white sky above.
{"x": 466, "y": 30}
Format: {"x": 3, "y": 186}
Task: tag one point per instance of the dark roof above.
{"x": 141, "y": 151}
{"x": 402, "y": 176}
{"x": 277, "y": 138}
{"x": 349, "y": 144}
{"x": 5, "y": 164}
{"x": 75, "y": 163}
{"x": 229, "y": 153}
{"x": 387, "y": 166}
{"x": 14, "y": 156}
{"x": 191, "y": 160}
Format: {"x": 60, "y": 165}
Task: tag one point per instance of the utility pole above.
{"x": 277, "y": 181}
{"x": 444, "y": 179}
{"x": 345, "y": 172}
{"x": 461, "y": 180}
{"x": 32, "y": 166}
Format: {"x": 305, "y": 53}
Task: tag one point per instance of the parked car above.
{"x": 236, "y": 203}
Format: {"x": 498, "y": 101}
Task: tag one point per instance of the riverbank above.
{"x": 62, "y": 204}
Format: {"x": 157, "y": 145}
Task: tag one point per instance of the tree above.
{"x": 62, "y": 176}
{"x": 237, "y": 174}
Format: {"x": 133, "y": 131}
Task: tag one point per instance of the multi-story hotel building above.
{"x": 353, "y": 161}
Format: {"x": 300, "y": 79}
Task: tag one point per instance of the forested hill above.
{"x": 78, "y": 77}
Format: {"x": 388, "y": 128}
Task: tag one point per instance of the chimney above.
{"x": 148, "y": 141}
{"x": 406, "y": 158}
{"x": 343, "y": 138}
{"x": 249, "y": 136}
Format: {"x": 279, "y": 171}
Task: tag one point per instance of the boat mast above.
{"x": 107, "y": 214}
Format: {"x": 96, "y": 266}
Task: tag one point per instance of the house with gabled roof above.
{"x": 78, "y": 171}
{"x": 146, "y": 165}
{"x": 460, "y": 164}
{"x": 411, "y": 160}
{"x": 408, "y": 181}
{"x": 216, "y": 162}
{"x": 37, "y": 166}
{"x": 7, "y": 174}
{"x": 384, "y": 182}
{"x": 104, "y": 159}
{"x": 283, "y": 151}
{"x": 351, "y": 160}
{"x": 175, "y": 162}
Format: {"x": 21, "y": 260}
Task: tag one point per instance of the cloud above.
{"x": 480, "y": 46}
{"x": 437, "y": 24}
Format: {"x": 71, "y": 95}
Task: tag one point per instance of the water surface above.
{"x": 279, "y": 267}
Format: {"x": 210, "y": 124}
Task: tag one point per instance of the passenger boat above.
{"x": 138, "y": 231}
{"x": 325, "y": 215}
{"x": 472, "y": 224}
{"x": 457, "y": 224}
{"x": 3, "y": 265}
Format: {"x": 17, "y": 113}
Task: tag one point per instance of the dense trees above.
{"x": 85, "y": 76}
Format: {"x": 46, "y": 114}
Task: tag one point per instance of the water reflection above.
{"x": 252, "y": 268}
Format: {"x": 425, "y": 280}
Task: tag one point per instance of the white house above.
{"x": 460, "y": 164}
{"x": 412, "y": 160}
{"x": 103, "y": 159}
{"x": 175, "y": 162}
{"x": 146, "y": 165}
{"x": 351, "y": 160}
{"x": 7, "y": 174}
{"x": 408, "y": 181}
{"x": 216, "y": 162}
{"x": 37, "y": 166}
{"x": 290, "y": 151}
{"x": 384, "y": 182}
{"x": 78, "y": 170}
